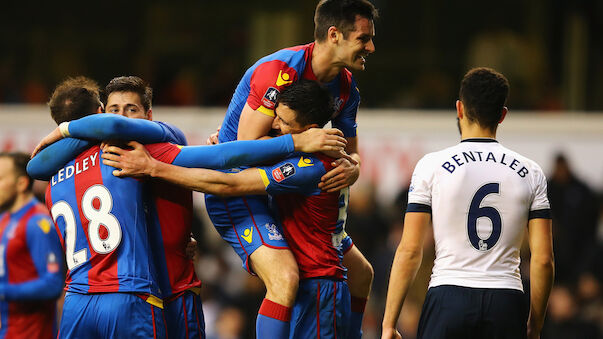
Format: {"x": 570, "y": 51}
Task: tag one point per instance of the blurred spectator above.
{"x": 591, "y": 300}
{"x": 563, "y": 320}
{"x": 229, "y": 324}
{"x": 575, "y": 219}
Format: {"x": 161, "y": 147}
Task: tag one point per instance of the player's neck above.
{"x": 20, "y": 201}
{"x": 323, "y": 65}
{"x": 475, "y": 131}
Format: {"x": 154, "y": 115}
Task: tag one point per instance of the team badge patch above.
{"x": 52, "y": 266}
{"x": 283, "y": 172}
{"x": 269, "y": 99}
{"x": 273, "y": 233}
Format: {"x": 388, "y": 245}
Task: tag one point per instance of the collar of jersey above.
{"x": 479, "y": 140}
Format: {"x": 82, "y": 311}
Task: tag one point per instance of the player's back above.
{"x": 481, "y": 195}
{"x": 102, "y": 224}
{"x": 313, "y": 220}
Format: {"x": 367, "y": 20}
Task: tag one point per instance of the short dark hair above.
{"x": 484, "y": 93}
{"x": 312, "y": 103}
{"x": 341, "y": 14}
{"x": 20, "y": 161}
{"x": 74, "y": 98}
{"x": 131, "y": 84}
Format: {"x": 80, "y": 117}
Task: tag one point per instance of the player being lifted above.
{"x": 112, "y": 126}
{"x": 313, "y": 221}
{"x": 480, "y": 197}
{"x": 343, "y": 32}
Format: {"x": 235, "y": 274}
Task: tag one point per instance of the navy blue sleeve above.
{"x": 112, "y": 126}
{"x": 45, "y": 249}
{"x": 299, "y": 173}
{"x": 235, "y": 153}
{"x": 52, "y": 158}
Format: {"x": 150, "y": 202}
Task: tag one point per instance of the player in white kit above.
{"x": 480, "y": 197}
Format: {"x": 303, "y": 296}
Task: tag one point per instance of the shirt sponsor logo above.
{"x": 269, "y": 99}
{"x": 304, "y": 162}
{"x": 283, "y": 79}
{"x": 283, "y": 172}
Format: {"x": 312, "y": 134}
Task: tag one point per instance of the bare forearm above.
{"x": 542, "y": 271}
{"x": 209, "y": 181}
{"x": 404, "y": 269}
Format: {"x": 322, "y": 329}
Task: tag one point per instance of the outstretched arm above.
{"x": 542, "y": 270}
{"x": 404, "y": 269}
{"x": 110, "y": 126}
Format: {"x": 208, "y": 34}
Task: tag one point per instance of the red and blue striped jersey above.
{"x": 170, "y": 214}
{"x": 31, "y": 275}
{"x": 313, "y": 220}
{"x": 102, "y": 224}
{"x": 263, "y": 81}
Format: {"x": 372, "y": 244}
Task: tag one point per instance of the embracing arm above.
{"x": 48, "y": 161}
{"x": 246, "y": 182}
{"x": 106, "y": 126}
{"x": 404, "y": 268}
{"x": 542, "y": 271}
{"x": 344, "y": 173}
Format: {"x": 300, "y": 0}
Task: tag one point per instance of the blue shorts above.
{"x": 322, "y": 310}
{"x": 247, "y": 223}
{"x": 110, "y": 315}
{"x": 464, "y": 312}
{"x": 184, "y": 316}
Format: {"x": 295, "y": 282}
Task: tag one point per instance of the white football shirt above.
{"x": 480, "y": 195}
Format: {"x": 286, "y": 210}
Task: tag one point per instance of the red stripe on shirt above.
{"x": 102, "y": 275}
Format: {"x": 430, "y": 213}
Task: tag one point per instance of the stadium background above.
{"x": 194, "y": 52}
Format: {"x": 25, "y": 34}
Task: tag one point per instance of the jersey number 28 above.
{"x": 96, "y": 217}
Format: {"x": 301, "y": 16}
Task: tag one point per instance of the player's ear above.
{"x": 22, "y": 183}
{"x": 505, "y": 110}
{"x": 150, "y": 114}
{"x": 459, "y": 109}
{"x": 332, "y": 34}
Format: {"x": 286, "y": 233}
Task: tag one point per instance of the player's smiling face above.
{"x": 358, "y": 45}
{"x": 284, "y": 121}
{"x": 127, "y": 104}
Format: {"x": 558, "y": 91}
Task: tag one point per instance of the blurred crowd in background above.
{"x": 195, "y": 52}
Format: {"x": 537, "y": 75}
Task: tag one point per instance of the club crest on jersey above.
{"x": 273, "y": 233}
{"x": 337, "y": 102}
{"x": 52, "y": 266}
{"x": 283, "y": 172}
{"x": 269, "y": 99}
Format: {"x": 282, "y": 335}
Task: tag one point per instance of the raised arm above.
{"x": 542, "y": 271}
{"x": 404, "y": 269}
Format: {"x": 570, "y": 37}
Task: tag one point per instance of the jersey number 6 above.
{"x": 476, "y": 212}
{"x": 96, "y": 217}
